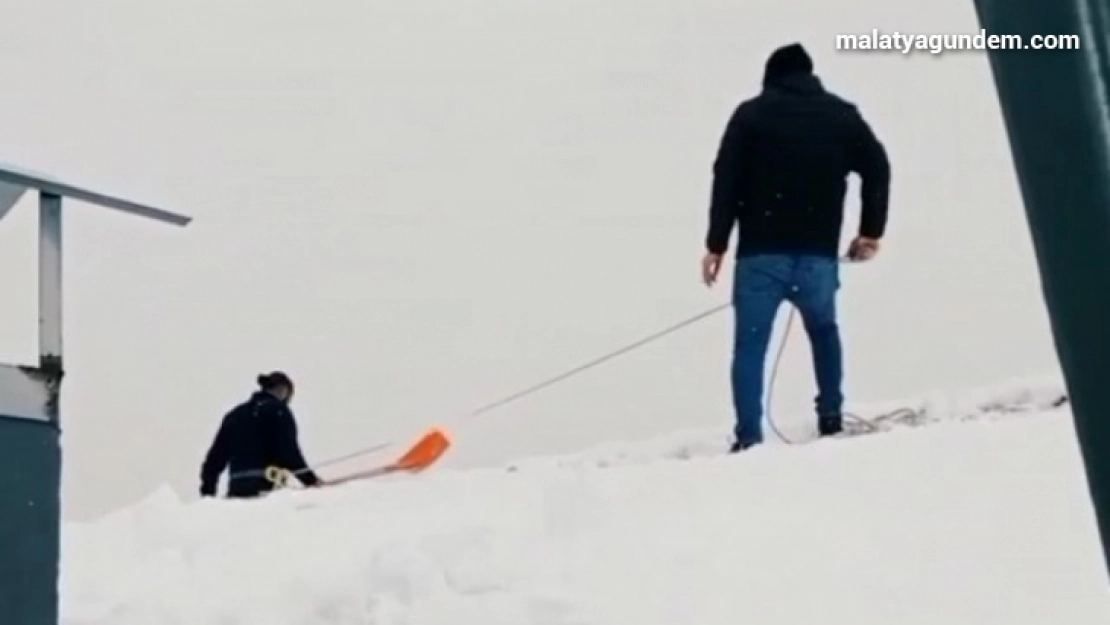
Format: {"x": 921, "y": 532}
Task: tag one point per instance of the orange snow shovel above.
{"x": 420, "y": 456}
{"x": 424, "y": 453}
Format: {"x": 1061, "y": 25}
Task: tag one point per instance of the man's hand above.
{"x": 863, "y": 249}
{"x": 710, "y": 267}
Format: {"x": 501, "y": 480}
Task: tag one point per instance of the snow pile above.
{"x": 961, "y": 523}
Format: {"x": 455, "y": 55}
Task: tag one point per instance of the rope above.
{"x": 864, "y": 423}
{"x": 278, "y": 477}
{"x": 569, "y": 373}
{"x": 597, "y": 361}
{"x": 868, "y": 425}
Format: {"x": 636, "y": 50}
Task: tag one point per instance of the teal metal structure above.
{"x": 1056, "y": 106}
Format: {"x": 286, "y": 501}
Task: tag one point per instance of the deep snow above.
{"x": 975, "y": 513}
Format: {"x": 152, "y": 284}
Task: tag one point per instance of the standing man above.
{"x": 781, "y": 176}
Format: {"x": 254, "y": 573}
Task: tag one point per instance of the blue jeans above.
{"x": 762, "y": 283}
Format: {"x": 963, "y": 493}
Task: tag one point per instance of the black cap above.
{"x": 787, "y": 60}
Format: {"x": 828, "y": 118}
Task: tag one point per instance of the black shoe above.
{"x": 830, "y": 425}
{"x": 738, "y": 447}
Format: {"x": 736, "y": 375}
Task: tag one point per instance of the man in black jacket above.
{"x": 781, "y": 176}
{"x": 256, "y": 435}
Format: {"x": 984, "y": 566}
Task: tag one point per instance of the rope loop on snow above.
{"x": 858, "y": 420}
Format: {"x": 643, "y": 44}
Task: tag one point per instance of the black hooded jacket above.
{"x": 782, "y": 167}
{"x": 256, "y": 434}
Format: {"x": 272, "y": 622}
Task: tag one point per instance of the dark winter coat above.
{"x": 782, "y": 166}
{"x": 257, "y": 434}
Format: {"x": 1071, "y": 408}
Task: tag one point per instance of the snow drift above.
{"x": 981, "y": 517}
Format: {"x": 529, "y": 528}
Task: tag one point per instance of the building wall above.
{"x": 30, "y": 502}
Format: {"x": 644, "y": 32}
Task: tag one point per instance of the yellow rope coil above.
{"x": 277, "y": 476}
